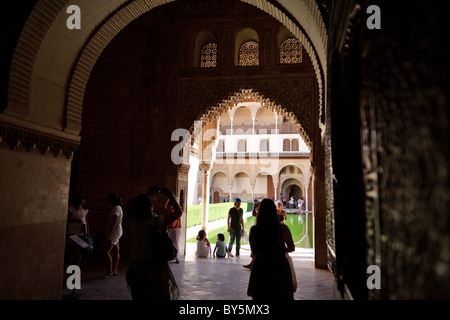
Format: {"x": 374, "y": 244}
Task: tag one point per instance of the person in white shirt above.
{"x": 113, "y": 233}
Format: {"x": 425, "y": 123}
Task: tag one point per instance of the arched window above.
{"x": 264, "y": 145}
{"x": 286, "y": 145}
{"x": 242, "y": 146}
{"x": 291, "y": 51}
{"x": 221, "y": 146}
{"x": 208, "y": 56}
{"x": 294, "y": 145}
{"x": 249, "y": 54}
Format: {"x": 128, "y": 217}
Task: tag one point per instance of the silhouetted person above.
{"x": 255, "y": 214}
{"x": 78, "y": 212}
{"x": 148, "y": 278}
{"x": 77, "y": 224}
{"x": 270, "y": 277}
{"x": 113, "y": 234}
{"x": 174, "y": 230}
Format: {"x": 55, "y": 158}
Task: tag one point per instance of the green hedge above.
{"x": 216, "y": 211}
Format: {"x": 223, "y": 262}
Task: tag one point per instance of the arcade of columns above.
{"x": 205, "y": 134}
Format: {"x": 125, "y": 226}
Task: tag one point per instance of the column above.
{"x": 253, "y": 129}
{"x": 276, "y": 122}
{"x": 231, "y": 118}
{"x": 206, "y": 169}
{"x": 231, "y": 195}
{"x": 306, "y": 199}
{"x": 275, "y": 188}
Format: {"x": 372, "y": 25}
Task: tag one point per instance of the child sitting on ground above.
{"x": 203, "y": 245}
{"x": 221, "y": 247}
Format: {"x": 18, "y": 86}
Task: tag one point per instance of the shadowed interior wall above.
{"x": 128, "y": 118}
{"x": 34, "y": 191}
{"x": 394, "y": 80}
{"x": 405, "y": 67}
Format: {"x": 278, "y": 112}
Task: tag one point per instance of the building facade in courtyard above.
{"x": 258, "y": 153}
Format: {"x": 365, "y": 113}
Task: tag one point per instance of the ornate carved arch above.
{"x": 195, "y": 95}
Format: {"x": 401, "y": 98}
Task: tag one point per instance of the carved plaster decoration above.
{"x": 44, "y": 14}
{"x": 26, "y": 140}
{"x": 296, "y": 95}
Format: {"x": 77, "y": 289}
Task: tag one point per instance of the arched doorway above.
{"x": 293, "y": 189}
{"x": 64, "y": 118}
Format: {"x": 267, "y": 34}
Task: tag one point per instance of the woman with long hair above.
{"x": 270, "y": 240}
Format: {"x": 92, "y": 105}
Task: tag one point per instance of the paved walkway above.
{"x": 206, "y": 279}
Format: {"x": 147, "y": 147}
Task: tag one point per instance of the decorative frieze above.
{"x": 26, "y": 140}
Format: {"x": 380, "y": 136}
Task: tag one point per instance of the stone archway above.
{"x": 118, "y": 15}
{"x": 46, "y": 88}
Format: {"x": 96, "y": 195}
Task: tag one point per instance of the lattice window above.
{"x": 249, "y": 54}
{"x": 208, "y": 56}
{"x": 291, "y": 51}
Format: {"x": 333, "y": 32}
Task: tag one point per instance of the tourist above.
{"x": 77, "y": 225}
{"x": 291, "y": 202}
{"x": 301, "y": 204}
{"x": 221, "y": 247}
{"x": 148, "y": 278}
{"x": 270, "y": 277}
{"x": 281, "y": 213}
{"x": 174, "y": 231}
{"x": 113, "y": 234}
{"x": 235, "y": 222}
{"x": 78, "y": 212}
{"x": 203, "y": 245}
{"x": 255, "y": 214}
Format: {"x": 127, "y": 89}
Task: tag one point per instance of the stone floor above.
{"x": 205, "y": 279}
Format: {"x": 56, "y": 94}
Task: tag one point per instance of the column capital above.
{"x": 205, "y": 166}
{"x": 183, "y": 168}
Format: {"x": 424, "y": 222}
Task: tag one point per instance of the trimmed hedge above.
{"x": 216, "y": 211}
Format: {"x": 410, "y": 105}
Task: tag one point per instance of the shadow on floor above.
{"x": 203, "y": 278}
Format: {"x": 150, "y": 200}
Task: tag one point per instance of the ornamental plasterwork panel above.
{"x": 26, "y": 140}
{"x": 293, "y": 98}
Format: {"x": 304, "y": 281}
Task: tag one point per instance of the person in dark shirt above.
{"x": 235, "y": 223}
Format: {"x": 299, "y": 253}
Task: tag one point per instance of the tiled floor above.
{"x": 205, "y": 279}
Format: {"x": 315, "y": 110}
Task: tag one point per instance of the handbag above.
{"x": 293, "y": 274}
{"x": 163, "y": 249}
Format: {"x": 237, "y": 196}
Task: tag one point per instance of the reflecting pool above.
{"x": 296, "y": 223}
